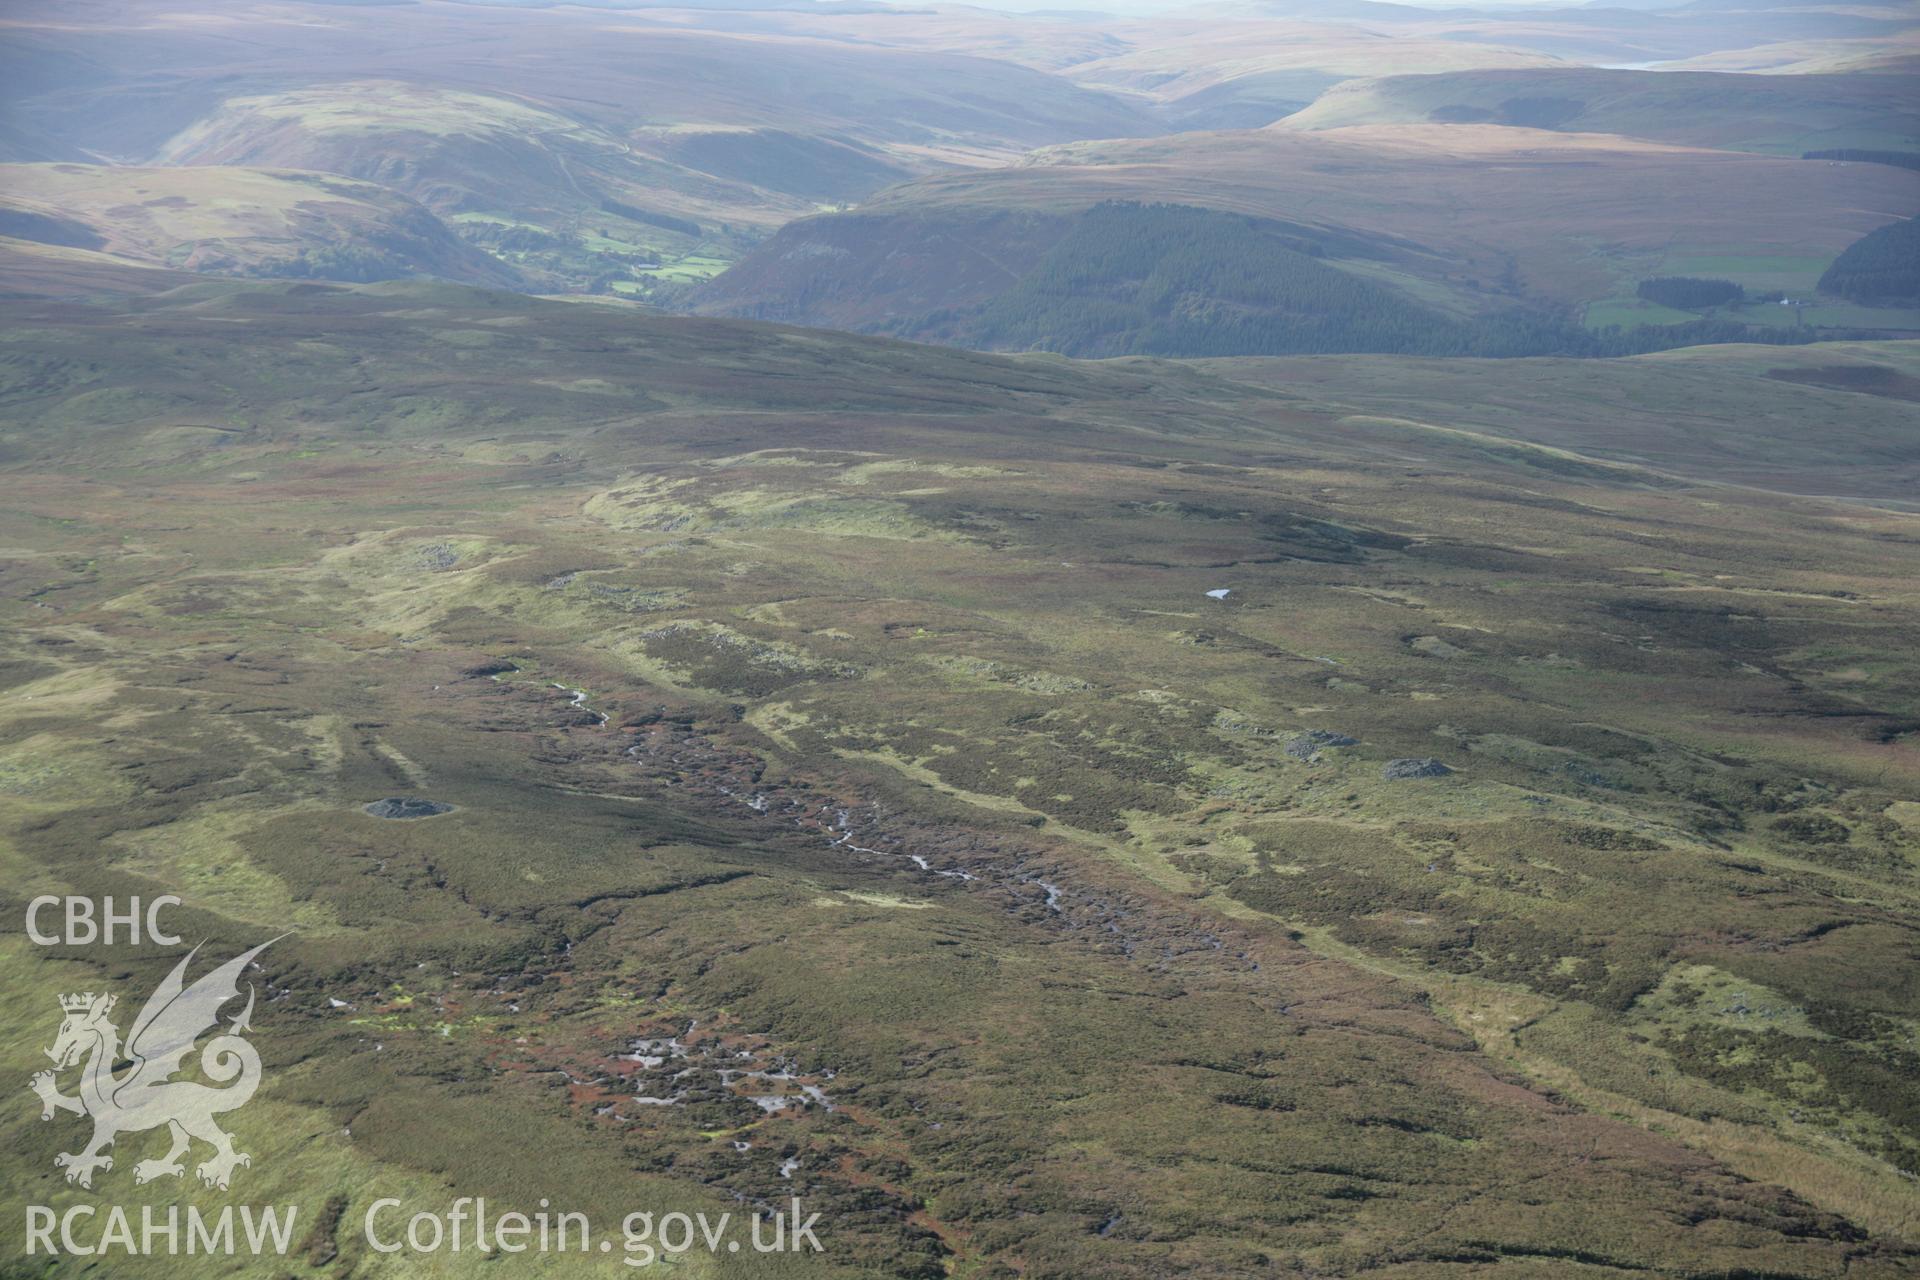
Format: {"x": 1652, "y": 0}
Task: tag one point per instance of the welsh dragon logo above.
{"x": 145, "y": 1095}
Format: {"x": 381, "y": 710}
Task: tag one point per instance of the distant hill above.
{"x": 1455, "y": 227}
{"x": 1784, "y": 115}
{"x": 1130, "y": 279}
{"x": 1234, "y": 75}
{"x": 615, "y": 70}
{"x": 240, "y": 222}
{"x": 586, "y": 148}
{"x": 38, "y": 269}
{"x": 565, "y": 201}
{"x": 1614, "y": 34}
{"x": 1897, "y": 54}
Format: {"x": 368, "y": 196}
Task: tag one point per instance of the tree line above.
{"x": 1690, "y": 293}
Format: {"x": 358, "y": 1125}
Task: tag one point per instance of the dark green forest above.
{"x": 355, "y": 264}
{"x": 1881, "y": 267}
{"x": 647, "y": 217}
{"x": 1689, "y": 293}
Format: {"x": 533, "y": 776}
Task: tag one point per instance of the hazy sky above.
{"x": 1303, "y": 10}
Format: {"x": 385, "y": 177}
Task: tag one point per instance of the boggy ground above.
{"x": 857, "y": 795}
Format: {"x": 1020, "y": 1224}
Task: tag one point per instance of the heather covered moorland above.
{"x": 1271, "y": 640}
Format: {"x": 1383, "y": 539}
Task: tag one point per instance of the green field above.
{"x": 689, "y": 270}
{"x": 1791, "y": 273}
{"x": 1835, "y": 315}
{"x": 1631, "y": 312}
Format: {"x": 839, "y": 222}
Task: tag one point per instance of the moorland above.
{"x": 1516, "y": 863}
{"x": 1309, "y": 668}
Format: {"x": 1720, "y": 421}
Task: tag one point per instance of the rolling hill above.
{"x": 581, "y": 146}
{"x": 238, "y": 221}
{"x": 1897, "y": 54}
{"x": 842, "y": 763}
{"x": 134, "y": 81}
{"x": 642, "y": 151}
{"x": 1781, "y": 115}
{"x": 1465, "y": 224}
{"x": 1726, "y": 413}
{"x": 565, "y": 202}
{"x": 1239, "y": 75}
{"x": 1614, "y": 35}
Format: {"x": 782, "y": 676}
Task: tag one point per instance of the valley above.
{"x": 693, "y": 160}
